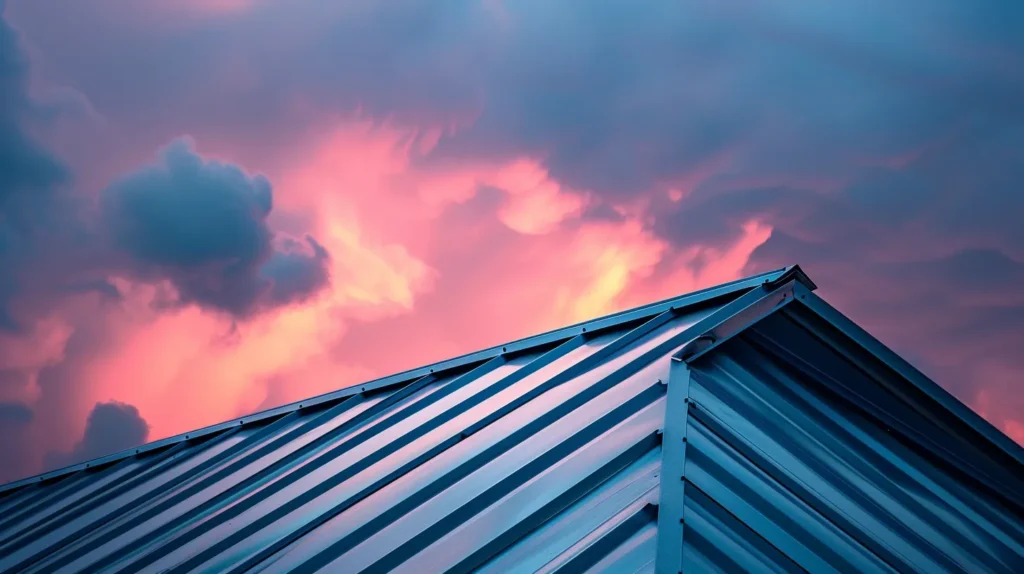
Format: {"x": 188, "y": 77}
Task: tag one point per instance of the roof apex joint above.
{"x": 791, "y": 273}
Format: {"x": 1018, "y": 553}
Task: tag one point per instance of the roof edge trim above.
{"x": 693, "y": 299}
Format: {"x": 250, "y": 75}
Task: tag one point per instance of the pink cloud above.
{"x": 390, "y": 245}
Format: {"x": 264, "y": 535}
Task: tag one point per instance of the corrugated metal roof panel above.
{"x": 581, "y": 450}
{"x": 775, "y": 446}
{"x": 459, "y": 464}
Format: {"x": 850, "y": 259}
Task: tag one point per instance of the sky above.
{"x": 213, "y": 207}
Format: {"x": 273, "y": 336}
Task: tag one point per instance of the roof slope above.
{"x": 748, "y": 426}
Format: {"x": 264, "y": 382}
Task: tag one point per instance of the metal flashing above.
{"x": 740, "y": 314}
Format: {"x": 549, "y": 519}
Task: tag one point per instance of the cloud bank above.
{"x": 451, "y": 175}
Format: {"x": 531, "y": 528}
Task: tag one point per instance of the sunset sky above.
{"x": 212, "y": 207}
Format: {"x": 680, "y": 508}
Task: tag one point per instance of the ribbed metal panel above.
{"x": 791, "y": 466}
{"x": 450, "y": 472}
{"x": 741, "y": 429}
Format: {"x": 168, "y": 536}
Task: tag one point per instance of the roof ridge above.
{"x": 697, "y": 298}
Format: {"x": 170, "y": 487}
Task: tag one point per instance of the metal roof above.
{"x": 747, "y": 427}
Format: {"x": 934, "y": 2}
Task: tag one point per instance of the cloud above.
{"x": 202, "y": 225}
{"x": 30, "y": 179}
{"x": 111, "y": 427}
{"x": 15, "y": 452}
{"x": 927, "y": 255}
{"x": 459, "y": 160}
{"x": 81, "y": 272}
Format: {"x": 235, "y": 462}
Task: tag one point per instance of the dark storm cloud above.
{"x": 15, "y": 452}
{"x": 203, "y": 226}
{"x": 111, "y": 427}
{"x": 30, "y": 178}
{"x": 297, "y": 270}
{"x": 189, "y": 213}
{"x": 615, "y": 98}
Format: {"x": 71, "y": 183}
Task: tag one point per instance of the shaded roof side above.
{"x": 870, "y": 355}
{"x": 799, "y": 458}
{"x": 706, "y": 297}
{"x": 906, "y": 387}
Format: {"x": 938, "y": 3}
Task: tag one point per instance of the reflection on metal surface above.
{"x": 778, "y": 439}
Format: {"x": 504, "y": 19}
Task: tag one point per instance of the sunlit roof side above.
{"x": 711, "y": 296}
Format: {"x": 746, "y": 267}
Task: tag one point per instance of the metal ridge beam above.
{"x": 693, "y": 299}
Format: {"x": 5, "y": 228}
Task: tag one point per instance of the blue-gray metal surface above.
{"x": 798, "y": 460}
{"x": 742, "y": 428}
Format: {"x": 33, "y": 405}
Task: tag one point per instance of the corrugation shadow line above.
{"x": 602, "y": 540}
{"x": 106, "y": 527}
{"x": 827, "y": 433}
{"x": 157, "y": 506}
{"x": 132, "y": 467}
{"x": 118, "y": 488}
{"x": 827, "y": 415}
{"x": 228, "y": 502}
{"x": 858, "y": 358}
{"x": 574, "y": 528}
{"x": 369, "y": 431}
{"x": 776, "y": 514}
{"x": 529, "y": 523}
{"x": 585, "y": 365}
{"x": 695, "y": 535}
{"x": 840, "y": 437}
{"x": 801, "y": 491}
{"x": 43, "y": 496}
{"x": 454, "y": 475}
{"x": 393, "y": 514}
{"x": 921, "y": 445}
{"x": 33, "y": 494}
{"x": 184, "y": 492}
